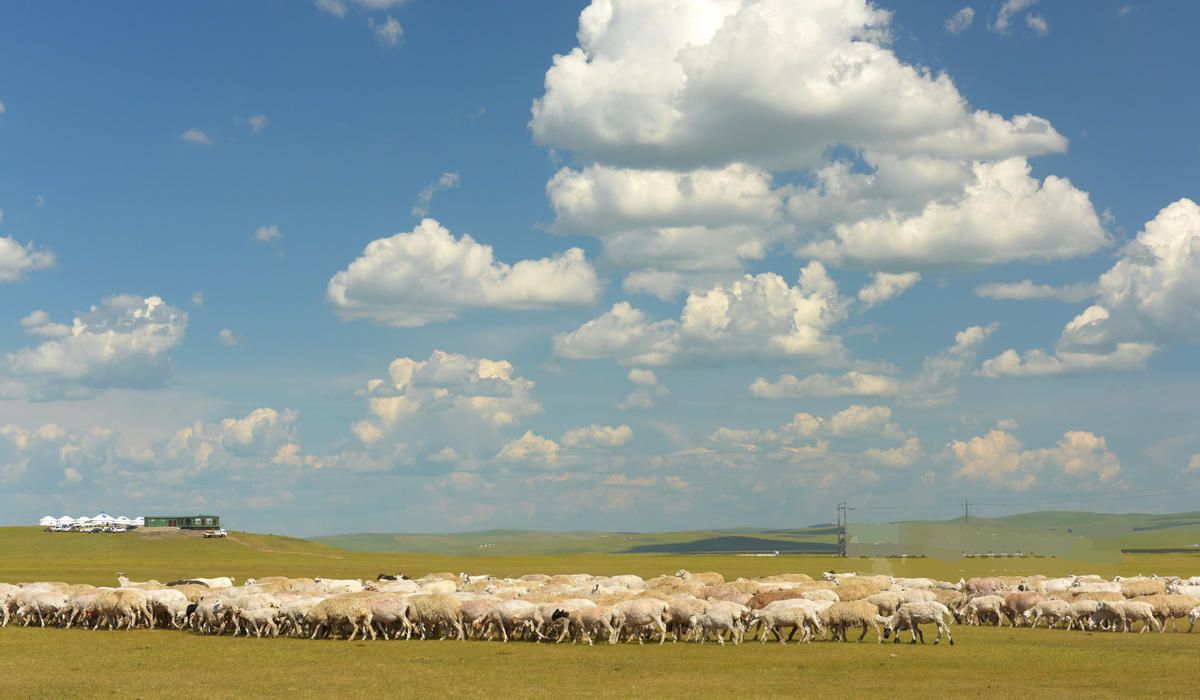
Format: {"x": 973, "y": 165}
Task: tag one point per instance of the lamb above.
{"x": 859, "y": 613}
{"x": 641, "y": 612}
{"x": 912, "y": 615}
{"x": 983, "y": 608}
{"x": 1053, "y": 610}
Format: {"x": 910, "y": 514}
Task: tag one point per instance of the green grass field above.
{"x": 148, "y": 663}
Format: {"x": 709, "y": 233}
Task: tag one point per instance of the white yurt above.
{"x": 48, "y": 521}
{"x": 66, "y": 520}
{"x": 122, "y": 520}
{"x": 104, "y": 519}
{"x": 139, "y": 521}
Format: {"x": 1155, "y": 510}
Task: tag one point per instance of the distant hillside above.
{"x": 528, "y": 542}
{"x": 1067, "y": 534}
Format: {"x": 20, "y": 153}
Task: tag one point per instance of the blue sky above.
{"x": 746, "y": 259}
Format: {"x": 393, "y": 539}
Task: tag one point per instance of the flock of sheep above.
{"x": 579, "y": 607}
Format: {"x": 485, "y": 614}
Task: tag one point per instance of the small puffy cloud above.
{"x": 3, "y": 108}
{"x": 1037, "y": 23}
{"x": 1004, "y": 215}
{"x": 858, "y": 421}
{"x": 646, "y": 392}
{"x": 428, "y": 275}
{"x": 1008, "y": 10}
{"x": 1038, "y": 363}
{"x": 885, "y": 285}
{"x": 852, "y": 383}
{"x": 998, "y": 458}
{"x": 597, "y": 436}
{"x": 936, "y": 382}
{"x": 388, "y": 32}
{"x": 1027, "y": 289}
{"x": 122, "y": 343}
{"x": 267, "y": 234}
{"x": 1194, "y": 463}
{"x": 337, "y": 8}
{"x": 445, "y": 181}
{"x": 755, "y": 317}
{"x": 198, "y": 299}
{"x": 263, "y": 431}
{"x": 445, "y": 400}
{"x": 227, "y": 337}
{"x": 39, "y": 323}
{"x": 257, "y": 122}
{"x": 529, "y": 450}
{"x": 16, "y": 260}
{"x": 960, "y": 21}
{"x": 196, "y": 136}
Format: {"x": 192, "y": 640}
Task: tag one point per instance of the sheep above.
{"x": 602, "y": 618}
{"x": 1017, "y": 602}
{"x": 219, "y": 582}
{"x": 440, "y": 586}
{"x": 1124, "y": 614}
{"x": 821, "y": 594}
{"x": 1053, "y": 609}
{"x": 335, "y": 586}
{"x": 1082, "y": 613}
{"x": 681, "y": 610}
{"x": 886, "y": 601}
{"x": 1187, "y": 589}
{"x": 389, "y": 615}
{"x": 1192, "y": 617}
{"x": 1170, "y": 607}
{"x": 983, "y": 585}
{"x": 709, "y": 578}
{"x": 641, "y": 612}
{"x": 429, "y": 611}
{"x": 721, "y": 617}
{"x": 799, "y": 614}
{"x": 761, "y": 600}
{"x": 332, "y": 613}
{"x": 839, "y": 616}
{"x": 1139, "y": 587}
{"x": 258, "y": 619}
{"x": 904, "y": 583}
{"x": 512, "y": 615}
{"x": 983, "y": 608}
{"x": 1110, "y": 596}
{"x": 168, "y": 606}
{"x": 294, "y": 615}
{"x": 857, "y": 590}
{"x": 911, "y": 615}
{"x": 147, "y": 585}
{"x": 796, "y": 617}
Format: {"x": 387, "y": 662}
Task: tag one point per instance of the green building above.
{"x": 187, "y": 522}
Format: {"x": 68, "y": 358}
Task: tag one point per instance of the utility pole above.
{"x": 966, "y": 511}
{"x": 843, "y": 520}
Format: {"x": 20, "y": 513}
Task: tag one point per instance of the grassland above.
{"x": 147, "y": 663}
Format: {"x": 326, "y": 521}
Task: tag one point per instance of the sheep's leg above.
{"x": 912, "y": 630}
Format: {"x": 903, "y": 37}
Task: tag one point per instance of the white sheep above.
{"x": 1053, "y": 610}
{"x": 912, "y": 615}
{"x": 639, "y": 613}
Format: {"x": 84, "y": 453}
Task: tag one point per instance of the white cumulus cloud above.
{"x": 16, "y": 259}
{"x": 427, "y": 275}
{"x": 961, "y": 21}
{"x": 885, "y": 285}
